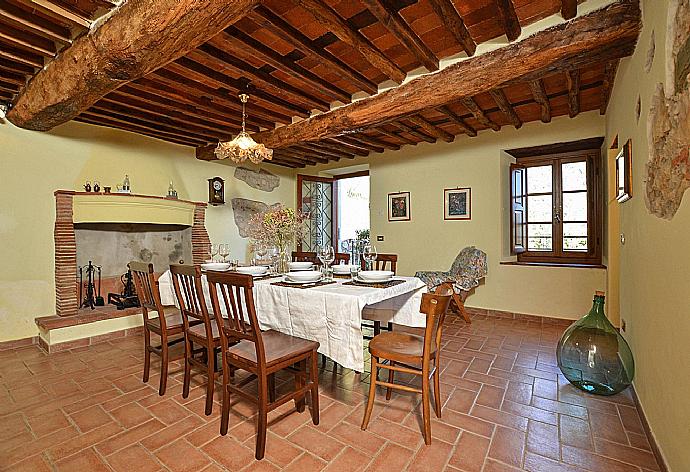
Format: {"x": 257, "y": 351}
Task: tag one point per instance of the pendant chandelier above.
{"x": 243, "y": 147}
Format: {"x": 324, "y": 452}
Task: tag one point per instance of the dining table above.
{"x": 330, "y": 313}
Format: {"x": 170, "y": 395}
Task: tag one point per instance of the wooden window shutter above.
{"x": 518, "y": 217}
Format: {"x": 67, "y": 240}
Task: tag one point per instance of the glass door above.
{"x": 315, "y": 199}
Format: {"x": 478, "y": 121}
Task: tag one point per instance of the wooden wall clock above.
{"x": 216, "y": 191}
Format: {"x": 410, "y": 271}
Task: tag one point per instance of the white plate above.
{"x": 220, "y": 266}
{"x": 294, "y": 282}
{"x": 376, "y": 275}
{"x": 342, "y": 269}
{"x": 304, "y": 276}
{"x": 300, "y": 265}
{"x": 361, "y": 280}
{"x": 256, "y": 271}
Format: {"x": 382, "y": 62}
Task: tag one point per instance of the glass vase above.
{"x": 593, "y": 355}
{"x": 283, "y": 262}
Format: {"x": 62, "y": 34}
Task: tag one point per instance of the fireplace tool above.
{"x": 93, "y": 297}
{"x": 128, "y": 297}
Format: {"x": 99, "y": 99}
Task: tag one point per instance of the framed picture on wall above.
{"x": 457, "y": 203}
{"x": 624, "y": 173}
{"x": 399, "y": 206}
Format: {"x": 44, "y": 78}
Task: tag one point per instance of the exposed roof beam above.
{"x": 431, "y": 129}
{"x": 568, "y": 9}
{"x": 285, "y": 31}
{"x": 395, "y": 136}
{"x": 403, "y": 32}
{"x": 55, "y": 11}
{"x": 479, "y": 114}
{"x": 452, "y": 20}
{"x": 350, "y": 139}
{"x": 607, "y": 33}
{"x": 36, "y": 24}
{"x": 413, "y": 132}
{"x": 336, "y": 142}
{"x": 539, "y": 93}
{"x": 113, "y": 124}
{"x": 323, "y": 151}
{"x": 327, "y": 17}
{"x": 243, "y": 41}
{"x": 138, "y": 38}
{"x": 27, "y": 41}
{"x": 572, "y": 78}
{"x": 467, "y": 129}
{"x": 504, "y": 105}
{"x": 361, "y": 137}
{"x": 511, "y": 24}
{"x": 16, "y": 67}
{"x": 21, "y": 57}
{"x": 609, "y": 77}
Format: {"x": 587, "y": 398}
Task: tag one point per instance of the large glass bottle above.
{"x": 593, "y": 355}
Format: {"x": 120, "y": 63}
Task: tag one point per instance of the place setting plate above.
{"x": 375, "y": 278}
{"x": 302, "y": 279}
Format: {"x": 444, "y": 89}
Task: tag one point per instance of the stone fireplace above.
{"x": 113, "y": 229}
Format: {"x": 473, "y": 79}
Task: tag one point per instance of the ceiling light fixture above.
{"x": 243, "y": 147}
{"x": 4, "y": 108}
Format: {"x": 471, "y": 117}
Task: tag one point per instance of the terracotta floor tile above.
{"x": 542, "y": 439}
{"x": 491, "y": 396}
{"x": 181, "y": 456}
{"x": 559, "y": 407}
{"x": 229, "y": 453}
{"x": 86, "y": 460}
{"x": 316, "y": 442}
{"x": 306, "y": 462}
{"x": 507, "y": 446}
{"x": 167, "y": 435}
{"x": 352, "y": 435}
{"x": 396, "y": 433}
{"x": 519, "y": 392}
{"x": 392, "y": 457}
{"x": 279, "y": 450}
{"x": 631, "y": 419}
{"x": 536, "y": 463}
{"x": 36, "y": 463}
{"x": 608, "y": 427}
{"x": 349, "y": 460}
{"x": 594, "y": 462}
{"x": 470, "y": 452}
{"x": 469, "y": 423}
{"x": 132, "y": 458}
{"x": 461, "y": 400}
{"x": 494, "y": 466}
{"x": 546, "y": 389}
{"x": 631, "y": 455}
{"x": 84, "y": 441}
{"x": 129, "y": 437}
{"x": 131, "y": 415}
{"x": 432, "y": 457}
{"x": 90, "y": 418}
{"x": 168, "y": 410}
{"x": 500, "y": 417}
{"x": 48, "y": 423}
{"x": 576, "y": 432}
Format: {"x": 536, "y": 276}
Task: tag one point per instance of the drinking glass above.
{"x": 224, "y": 251}
{"x": 326, "y": 256}
{"x": 369, "y": 255}
{"x": 261, "y": 251}
{"x": 213, "y": 250}
{"x": 273, "y": 254}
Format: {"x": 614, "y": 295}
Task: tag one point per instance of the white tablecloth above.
{"x": 330, "y": 314}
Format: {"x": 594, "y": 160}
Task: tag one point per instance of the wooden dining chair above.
{"x": 168, "y": 325}
{"x": 204, "y": 335}
{"x": 301, "y": 256}
{"x": 262, "y": 354}
{"x": 382, "y": 262}
{"x": 405, "y": 352}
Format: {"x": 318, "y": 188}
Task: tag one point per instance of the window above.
{"x": 556, "y": 208}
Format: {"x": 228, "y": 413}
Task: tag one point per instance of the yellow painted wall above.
{"x": 429, "y": 242}
{"x": 33, "y": 165}
{"x": 654, "y": 275}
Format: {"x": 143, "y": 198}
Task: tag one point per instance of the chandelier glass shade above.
{"x": 243, "y": 147}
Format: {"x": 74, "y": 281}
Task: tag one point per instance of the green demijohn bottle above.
{"x": 593, "y": 355}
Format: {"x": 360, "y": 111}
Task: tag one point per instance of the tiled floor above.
{"x": 505, "y": 409}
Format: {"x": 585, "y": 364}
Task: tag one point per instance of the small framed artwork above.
{"x": 457, "y": 204}
{"x": 399, "y": 206}
{"x": 624, "y": 173}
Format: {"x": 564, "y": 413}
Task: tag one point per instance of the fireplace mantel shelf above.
{"x": 91, "y": 207}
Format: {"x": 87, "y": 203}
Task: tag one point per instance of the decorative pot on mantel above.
{"x": 593, "y": 355}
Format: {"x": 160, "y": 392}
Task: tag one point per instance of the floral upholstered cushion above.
{"x": 467, "y": 270}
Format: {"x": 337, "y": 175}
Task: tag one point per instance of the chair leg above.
{"x": 437, "y": 389}
{"x": 377, "y": 328}
{"x": 461, "y": 307}
{"x": 187, "y": 366}
{"x": 372, "y": 391}
{"x": 211, "y": 380}
{"x": 299, "y": 383}
{"x": 391, "y": 374}
{"x": 426, "y": 413}
{"x": 225, "y": 410}
{"x": 147, "y": 354}
{"x": 164, "y": 365}
{"x": 314, "y": 373}
{"x": 271, "y": 387}
{"x": 390, "y": 326}
{"x": 262, "y": 419}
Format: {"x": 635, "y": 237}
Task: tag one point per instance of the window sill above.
{"x": 555, "y": 264}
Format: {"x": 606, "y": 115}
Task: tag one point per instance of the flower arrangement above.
{"x": 279, "y": 227}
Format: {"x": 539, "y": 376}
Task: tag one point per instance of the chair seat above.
{"x": 398, "y": 346}
{"x": 277, "y": 346}
{"x": 173, "y": 321}
{"x": 199, "y": 330}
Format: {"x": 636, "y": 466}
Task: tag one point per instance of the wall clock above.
{"x": 216, "y": 191}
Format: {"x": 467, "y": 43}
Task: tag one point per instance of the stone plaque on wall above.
{"x": 261, "y": 179}
{"x": 244, "y": 209}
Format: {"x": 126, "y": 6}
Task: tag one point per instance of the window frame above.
{"x": 594, "y": 209}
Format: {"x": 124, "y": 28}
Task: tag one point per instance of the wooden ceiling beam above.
{"x": 264, "y": 17}
{"x": 607, "y": 85}
{"x": 340, "y": 144}
{"x": 607, "y": 33}
{"x": 56, "y": 12}
{"x": 138, "y": 38}
{"x": 413, "y": 132}
{"x": 399, "y": 28}
{"x": 7, "y": 65}
{"x": 431, "y": 129}
{"x": 328, "y": 18}
{"x": 352, "y": 140}
{"x": 24, "y": 20}
{"x": 106, "y": 124}
{"x": 454, "y": 23}
{"x": 572, "y": 78}
{"x": 262, "y": 78}
{"x": 457, "y": 119}
{"x": 506, "y": 107}
{"x": 9, "y": 87}
{"x": 310, "y": 156}
{"x": 509, "y": 19}
{"x": 21, "y": 57}
{"x": 479, "y": 114}
{"x": 207, "y": 153}
{"x": 325, "y": 151}
{"x": 398, "y": 137}
{"x": 568, "y": 9}
{"x": 242, "y": 41}
{"x": 539, "y": 94}
{"x": 262, "y": 98}
{"x": 12, "y": 78}
{"x": 379, "y": 143}
{"x": 27, "y": 41}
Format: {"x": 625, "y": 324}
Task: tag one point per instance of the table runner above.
{"x": 330, "y": 314}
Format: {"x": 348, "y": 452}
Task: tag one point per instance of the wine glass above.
{"x": 369, "y": 255}
{"x": 261, "y": 251}
{"x": 224, "y": 251}
{"x": 326, "y": 256}
{"x": 273, "y": 254}
{"x": 213, "y": 250}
